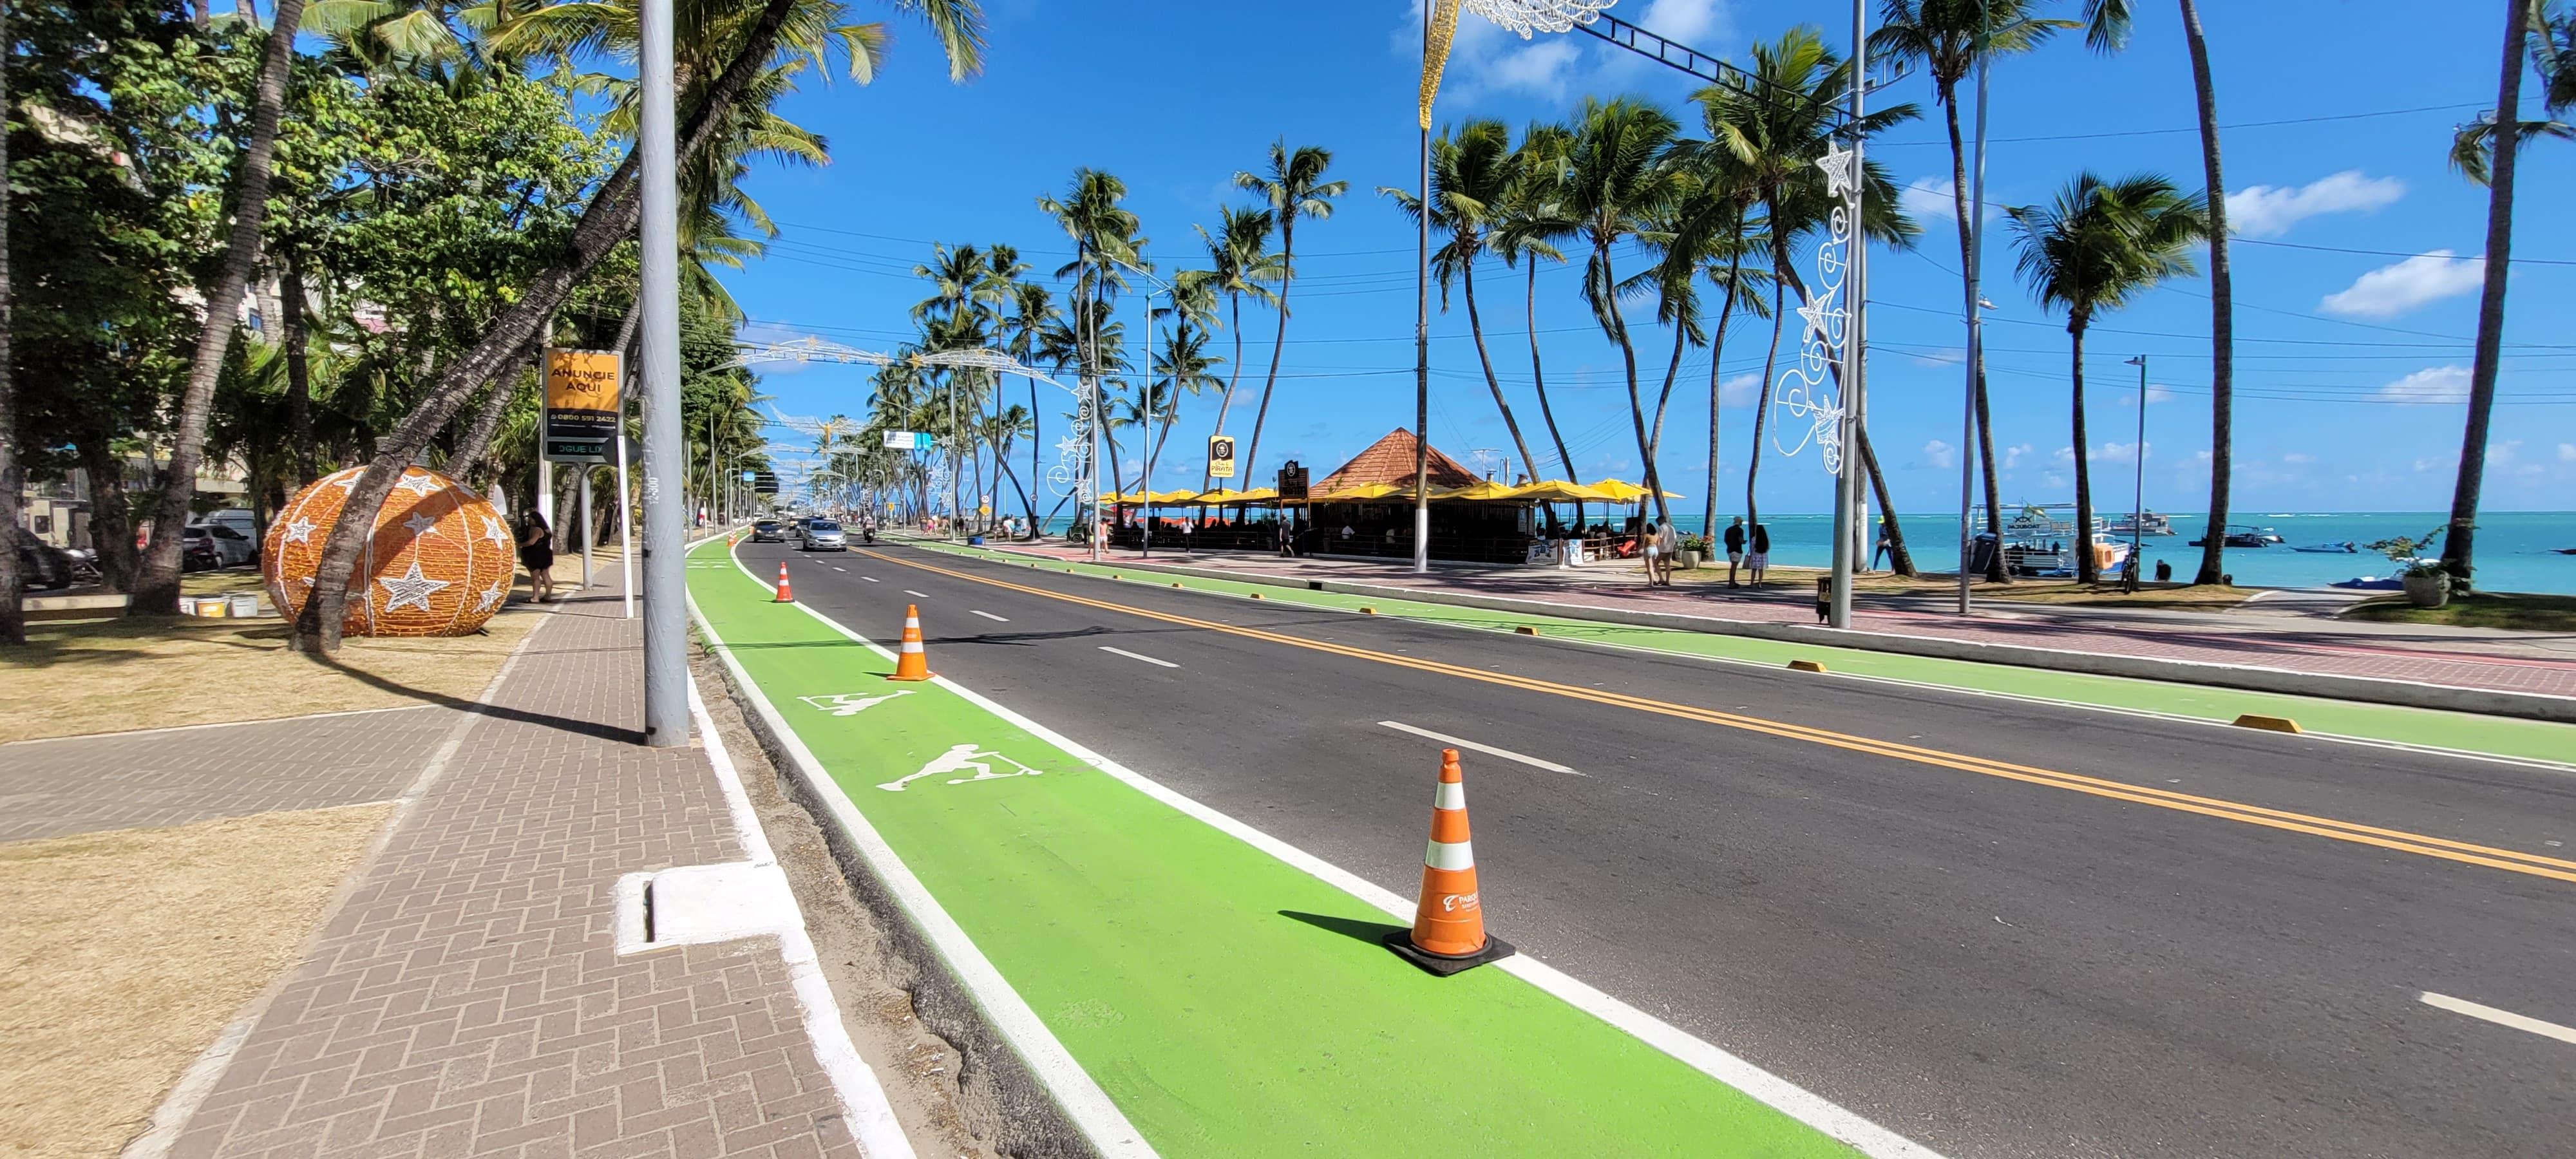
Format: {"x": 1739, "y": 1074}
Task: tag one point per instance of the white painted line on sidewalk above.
{"x": 1138, "y": 656}
{"x": 1486, "y": 749}
{"x": 1090, "y": 1107}
{"x": 916, "y": 595}
{"x": 2565, "y": 1034}
{"x": 990, "y": 616}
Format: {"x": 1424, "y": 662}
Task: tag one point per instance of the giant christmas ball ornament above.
{"x": 439, "y": 562}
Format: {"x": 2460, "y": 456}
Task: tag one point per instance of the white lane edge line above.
{"x": 1138, "y": 656}
{"x": 2488, "y": 1013}
{"x": 869, "y": 578}
{"x": 1488, "y": 750}
{"x": 1709, "y": 1059}
{"x": 916, "y": 595}
{"x": 990, "y": 616}
{"x": 871, "y": 1117}
{"x": 1081, "y": 1097}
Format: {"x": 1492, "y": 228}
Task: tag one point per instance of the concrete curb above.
{"x": 2249, "y": 678}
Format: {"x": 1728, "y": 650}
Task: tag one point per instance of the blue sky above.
{"x": 2350, "y": 365}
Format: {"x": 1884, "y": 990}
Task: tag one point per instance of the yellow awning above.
{"x": 1175, "y": 496}
{"x": 1363, "y": 493}
{"x": 1621, "y": 491}
{"x": 1481, "y": 491}
{"x": 1561, "y": 491}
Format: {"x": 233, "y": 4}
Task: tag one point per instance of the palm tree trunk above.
{"x": 1716, "y": 348}
{"x": 2222, "y": 305}
{"x": 13, "y": 623}
{"x": 1654, "y": 443}
{"x": 1628, "y": 358}
{"x": 2087, "y": 569}
{"x": 1900, "y": 559}
{"x": 1476, "y": 326}
{"x": 608, "y": 220}
{"x": 157, "y": 592}
{"x": 1995, "y": 570}
{"x": 1538, "y": 379}
{"x": 1287, "y": 277}
{"x": 1762, "y": 408}
{"x": 299, "y": 370}
{"x": 1234, "y": 304}
{"x": 2461, "y": 539}
{"x": 1034, "y": 428}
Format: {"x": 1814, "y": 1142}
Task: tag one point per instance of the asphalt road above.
{"x": 1896, "y": 897}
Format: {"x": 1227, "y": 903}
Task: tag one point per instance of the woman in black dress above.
{"x": 537, "y": 554}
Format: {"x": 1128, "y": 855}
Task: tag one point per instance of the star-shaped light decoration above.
{"x": 411, "y": 588}
{"x": 423, "y": 483}
{"x": 491, "y": 595}
{"x": 492, "y": 532}
{"x": 299, "y": 531}
{"x": 1837, "y": 164}
{"x": 1817, "y": 315}
{"x": 419, "y": 525}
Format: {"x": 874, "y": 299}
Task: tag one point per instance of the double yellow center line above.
{"x": 2394, "y": 839}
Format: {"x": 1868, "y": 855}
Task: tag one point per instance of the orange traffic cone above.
{"x": 1448, "y": 933}
{"x": 785, "y": 596}
{"x": 912, "y": 663}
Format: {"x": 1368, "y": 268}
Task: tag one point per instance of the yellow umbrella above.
{"x": 1621, "y": 491}
{"x": 1363, "y": 493}
{"x": 1481, "y": 491}
{"x": 1561, "y": 491}
{"x": 1218, "y": 498}
{"x": 1257, "y": 495}
{"x": 1168, "y": 498}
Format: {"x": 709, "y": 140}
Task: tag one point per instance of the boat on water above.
{"x": 2144, "y": 523}
{"x": 2244, "y": 535}
{"x": 2346, "y": 547}
{"x": 2057, "y": 557}
{"x": 2393, "y": 581}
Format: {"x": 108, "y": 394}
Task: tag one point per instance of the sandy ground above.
{"x": 123, "y": 954}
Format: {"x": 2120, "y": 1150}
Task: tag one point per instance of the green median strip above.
{"x": 1229, "y": 1003}
{"x": 2460, "y": 731}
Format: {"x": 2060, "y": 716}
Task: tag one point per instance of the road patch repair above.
{"x": 2423, "y": 729}
{"x": 1185, "y": 984}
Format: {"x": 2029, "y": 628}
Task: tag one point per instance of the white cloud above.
{"x": 2065, "y": 456}
{"x": 1742, "y": 390}
{"x": 2433, "y": 384}
{"x": 2053, "y": 481}
{"x": 2155, "y": 394}
{"x": 2012, "y": 456}
{"x": 2567, "y": 452}
{"x": 2508, "y": 451}
{"x": 2270, "y": 210}
{"x": 2392, "y": 290}
{"x": 1931, "y": 197}
{"x": 2121, "y": 452}
{"x": 2298, "y": 458}
{"x": 1939, "y": 454}
{"x": 2428, "y": 463}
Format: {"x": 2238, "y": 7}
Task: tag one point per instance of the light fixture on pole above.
{"x": 1439, "y": 29}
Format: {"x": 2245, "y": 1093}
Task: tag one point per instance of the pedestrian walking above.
{"x": 1758, "y": 561}
{"x": 1734, "y": 550}
{"x": 1651, "y": 540}
{"x": 1668, "y": 545}
{"x": 1886, "y": 546}
{"x": 537, "y": 554}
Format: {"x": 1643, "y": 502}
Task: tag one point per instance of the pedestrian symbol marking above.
{"x": 851, "y": 703}
{"x": 960, "y": 758}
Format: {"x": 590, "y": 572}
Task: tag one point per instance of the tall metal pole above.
{"x": 956, "y": 472}
{"x": 1422, "y": 332}
{"x": 1091, "y": 461}
{"x": 625, "y": 523}
{"x": 2138, "y": 499}
{"x": 1847, "y": 485}
{"x": 1145, "y": 446}
{"x": 1976, "y": 335}
{"x": 666, "y": 633}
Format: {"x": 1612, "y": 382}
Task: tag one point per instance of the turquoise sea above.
{"x": 2516, "y": 550}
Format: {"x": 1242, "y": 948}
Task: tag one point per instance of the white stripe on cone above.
{"x": 1449, "y": 855}
{"x": 1449, "y": 796}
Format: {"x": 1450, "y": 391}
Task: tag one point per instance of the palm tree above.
{"x": 1471, "y": 171}
{"x": 1950, "y": 37}
{"x": 1239, "y": 263}
{"x": 1777, "y": 139}
{"x": 1183, "y": 366}
{"x": 1104, "y": 239}
{"x": 2485, "y": 151}
{"x": 1617, "y": 181}
{"x": 1294, "y": 188}
{"x": 1033, "y": 312}
{"x": 1711, "y": 236}
{"x": 2092, "y": 250}
{"x": 156, "y": 592}
{"x": 1531, "y": 219}
{"x": 2106, "y": 29}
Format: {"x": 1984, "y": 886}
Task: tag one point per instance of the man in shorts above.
{"x": 1734, "y": 550}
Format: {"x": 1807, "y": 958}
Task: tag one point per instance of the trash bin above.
{"x": 975, "y": 541}
{"x": 1981, "y": 557}
{"x": 244, "y": 605}
{"x": 1824, "y": 599}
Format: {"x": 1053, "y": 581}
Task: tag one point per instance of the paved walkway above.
{"x": 2462, "y": 657}
{"x": 468, "y": 997}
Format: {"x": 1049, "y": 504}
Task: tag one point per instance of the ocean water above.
{"x": 2516, "y": 550}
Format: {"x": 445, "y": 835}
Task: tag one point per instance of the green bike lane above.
{"x": 1227, "y": 1000}
{"x": 2460, "y": 732}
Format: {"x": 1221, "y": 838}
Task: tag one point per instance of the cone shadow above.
{"x": 1357, "y": 929}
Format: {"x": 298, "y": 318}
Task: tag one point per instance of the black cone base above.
{"x": 1401, "y": 941}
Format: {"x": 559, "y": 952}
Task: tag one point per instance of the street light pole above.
{"x": 1422, "y": 322}
{"x": 1976, "y": 334}
{"x": 1847, "y": 485}
{"x": 666, "y": 669}
{"x": 2138, "y": 499}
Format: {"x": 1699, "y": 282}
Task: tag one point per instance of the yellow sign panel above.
{"x": 582, "y": 380}
{"x": 1221, "y": 457}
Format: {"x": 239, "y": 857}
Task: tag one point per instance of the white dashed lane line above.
{"x": 2487, "y": 1013}
{"x": 1487, "y": 749}
{"x": 916, "y": 595}
{"x": 1138, "y": 656}
{"x": 990, "y": 616}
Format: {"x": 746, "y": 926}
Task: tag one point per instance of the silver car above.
{"x": 822, "y": 535}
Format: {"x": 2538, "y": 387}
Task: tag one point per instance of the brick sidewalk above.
{"x": 2457, "y": 658}
{"x": 468, "y": 998}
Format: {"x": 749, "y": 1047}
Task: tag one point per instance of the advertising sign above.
{"x": 582, "y": 405}
{"x": 907, "y": 440}
{"x": 1221, "y": 457}
{"x": 1292, "y": 481}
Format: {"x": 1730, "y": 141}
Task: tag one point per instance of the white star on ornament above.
{"x": 1837, "y": 164}
{"x": 300, "y": 531}
{"x": 491, "y": 595}
{"x": 411, "y": 588}
{"x": 492, "y": 532}
{"x": 1816, "y": 314}
{"x": 420, "y": 525}
{"x": 420, "y": 484}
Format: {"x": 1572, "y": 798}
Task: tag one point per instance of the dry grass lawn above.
{"x": 123, "y": 955}
{"x": 109, "y": 675}
{"x": 2037, "y": 591}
